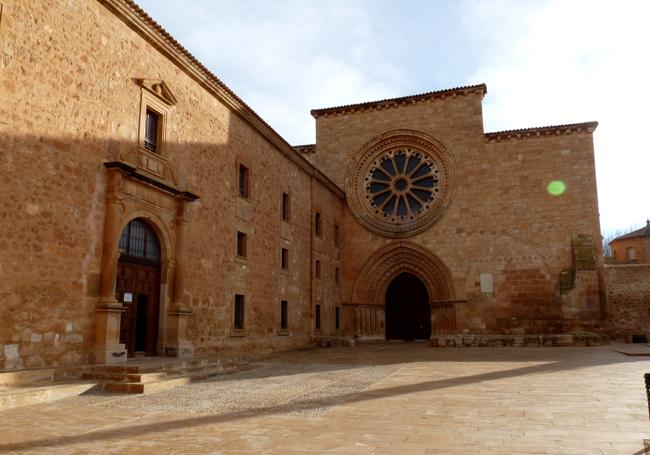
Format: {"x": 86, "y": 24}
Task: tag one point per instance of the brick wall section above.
{"x": 501, "y": 219}
{"x": 641, "y": 247}
{"x": 68, "y": 103}
{"x": 628, "y": 300}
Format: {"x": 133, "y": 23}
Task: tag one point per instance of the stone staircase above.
{"x": 153, "y": 375}
{"x": 145, "y": 375}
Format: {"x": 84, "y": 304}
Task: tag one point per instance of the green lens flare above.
{"x": 556, "y": 188}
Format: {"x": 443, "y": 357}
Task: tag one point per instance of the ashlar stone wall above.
{"x": 502, "y": 223}
{"x": 68, "y": 103}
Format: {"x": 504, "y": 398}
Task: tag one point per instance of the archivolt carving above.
{"x": 380, "y": 269}
{"x": 400, "y": 183}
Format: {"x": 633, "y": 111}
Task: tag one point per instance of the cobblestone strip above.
{"x": 299, "y": 390}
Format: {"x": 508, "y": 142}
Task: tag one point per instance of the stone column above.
{"x": 108, "y": 312}
{"x": 178, "y": 345}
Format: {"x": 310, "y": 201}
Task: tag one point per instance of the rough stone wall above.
{"x": 326, "y": 290}
{"x": 68, "y": 103}
{"x": 628, "y": 300}
{"x": 641, "y": 247}
{"x": 501, "y": 219}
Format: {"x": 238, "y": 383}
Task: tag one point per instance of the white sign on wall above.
{"x": 128, "y": 297}
{"x": 487, "y": 283}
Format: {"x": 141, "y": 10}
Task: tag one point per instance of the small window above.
{"x": 631, "y": 253}
{"x": 285, "y": 207}
{"x": 243, "y": 181}
{"x": 284, "y": 315}
{"x": 337, "y": 275}
{"x": 317, "y": 317}
{"x": 317, "y": 268}
{"x": 151, "y": 131}
{"x": 242, "y": 250}
{"x": 284, "y": 260}
{"x": 337, "y": 318}
{"x": 337, "y": 235}
{"x": 239, "y": 311}
{"x": 318, "y": 225}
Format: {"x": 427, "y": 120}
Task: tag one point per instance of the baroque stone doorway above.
{"x": 408, "y": 314}
{"x": 138, "y": 287}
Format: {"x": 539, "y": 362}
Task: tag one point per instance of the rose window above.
{"x": 402, "y": 184}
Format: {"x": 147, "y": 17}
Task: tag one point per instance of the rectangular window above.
{"x": 337, "y": 275}
{"x": 284, "y": 315}
{"x": 285, "y": 207}
{"x": 239, "y": 311}
{"x": 152, "y": 122}
{"x": 337, "y": 318}
{"x": 284, "y": 260}
{"x": 241, "y": 245}
{"x": 243, "y": 181}
{"x": 317, "y": 268}
{"x": 337, "y": 235}
{"x": 318, "y": 227}
{"x": 317, "y": 317}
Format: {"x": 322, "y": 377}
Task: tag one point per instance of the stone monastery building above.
{"x": 147, "y": 210}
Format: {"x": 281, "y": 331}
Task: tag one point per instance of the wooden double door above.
{"x": 139, "y": 282}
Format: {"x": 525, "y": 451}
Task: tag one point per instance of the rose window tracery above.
{"x": 400, "y": 183}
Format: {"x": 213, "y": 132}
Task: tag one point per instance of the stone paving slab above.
{"x": 380, "y": 399}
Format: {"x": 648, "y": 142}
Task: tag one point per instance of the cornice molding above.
{"x": 140, "y": 22}
{"x": 553, "y": 130}
{"x": 389, "y": 103}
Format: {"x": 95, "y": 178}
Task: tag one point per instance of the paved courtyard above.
{"x": 402, "y": 398}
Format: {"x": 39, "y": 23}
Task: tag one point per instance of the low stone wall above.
{"x": 480, "y": 341}
{"x": 628, "y": 300}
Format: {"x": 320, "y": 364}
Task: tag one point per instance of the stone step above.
{"x": 22, "y": 396}
{"x": 155, "y": 366}
{"x": 145, "y": 387}
{"x": 155, "y": 382}
{"x": 126, "y": 377}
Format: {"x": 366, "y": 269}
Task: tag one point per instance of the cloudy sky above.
{"x": 544, "y": 63}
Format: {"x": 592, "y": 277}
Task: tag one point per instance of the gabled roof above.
{"x": 305, "y": 148}
{"x": 643, "y": 232}
{"x": 404, "y": 100}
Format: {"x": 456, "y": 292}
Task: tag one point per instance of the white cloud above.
{"x": 558, "y": 61}
{"x": 288, "y": 57}
{"x": 581, "y": 61}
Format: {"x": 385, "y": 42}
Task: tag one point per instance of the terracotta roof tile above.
{"x": 305, "y": 148}
{"x": 395, "y": 102}
{"x": 542, "y": 131}
{"x": 643, "y": 232}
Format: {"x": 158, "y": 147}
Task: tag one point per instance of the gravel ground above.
{"x": 273, "y": 388}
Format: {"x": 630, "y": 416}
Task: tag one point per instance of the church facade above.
{"x": 147, "y": 210}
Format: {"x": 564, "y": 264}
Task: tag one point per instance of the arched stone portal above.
{"x": 163, "y": 210}
{"x": 366, "y": 315}
{"x": 138, "y": 287}
{"x": 408, "y": 314}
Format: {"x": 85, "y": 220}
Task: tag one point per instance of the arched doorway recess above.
{"x": 366, "y": 313}
{"x": 138, "y": 287}
{"x": 408, "y": 314}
